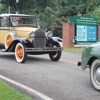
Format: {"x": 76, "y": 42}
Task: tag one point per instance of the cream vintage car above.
{"x": 22, "y": 34}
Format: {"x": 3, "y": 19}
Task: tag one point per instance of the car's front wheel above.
{"x": 20, "y": 53}
{"x": 55, "y": 56}
{"x": 95, "y": 74}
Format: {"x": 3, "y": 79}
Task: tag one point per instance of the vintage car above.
{"x": 21, "y": 33}
{"x": 91, "y": 59}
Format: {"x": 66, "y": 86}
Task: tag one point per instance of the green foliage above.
{"x": 96, "y": 14}
{"x": 74, "y": 50}
{"x": 8, "y": 2}
{"x": 53, "y": 13}
{"x": 91, "y": 5}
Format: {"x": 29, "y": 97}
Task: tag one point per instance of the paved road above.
{"x": 62, "y": 80}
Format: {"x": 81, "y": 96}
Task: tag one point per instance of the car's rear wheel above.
{"x": 55, "y": 56}
{"x": 95, "y": 74}
{"x": 8, "y": 39}
{"x": 20, "y": 53}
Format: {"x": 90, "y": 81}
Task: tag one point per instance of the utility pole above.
{"x": 9, "y": 9}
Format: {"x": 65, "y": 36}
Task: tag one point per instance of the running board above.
{"x": 42, "y": 49}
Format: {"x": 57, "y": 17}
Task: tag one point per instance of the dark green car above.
{"x": 91, "y": 59}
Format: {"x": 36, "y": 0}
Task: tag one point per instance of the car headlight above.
{"x": 49, "y": 34}
{"x": 31, "y": 34}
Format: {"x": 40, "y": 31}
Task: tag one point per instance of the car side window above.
{"x": 4, "y": 22}
{"x": 14, "y": 21}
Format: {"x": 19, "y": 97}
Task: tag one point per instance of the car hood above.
{"x": 26, "y": 29}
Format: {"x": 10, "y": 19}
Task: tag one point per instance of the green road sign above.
{"x": 83, "y": 20}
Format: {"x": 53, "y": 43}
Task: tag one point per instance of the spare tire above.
{"x": 8, "y": 39}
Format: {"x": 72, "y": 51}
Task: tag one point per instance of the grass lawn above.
{"x": 74, "y": 50}
{"x": 9, "y": 93}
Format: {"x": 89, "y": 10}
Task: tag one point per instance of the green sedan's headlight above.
{"x": 31, "y": 34}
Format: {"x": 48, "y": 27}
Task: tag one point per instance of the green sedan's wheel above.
{"x": 95, "y": 74}
{"x": 20, "y": 53}
{"x": 55, "y": 56}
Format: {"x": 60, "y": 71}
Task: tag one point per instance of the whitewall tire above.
{"x": 20, "y": 53}
{"x": 8, "y": 39}
{"x": 95, "y": 74}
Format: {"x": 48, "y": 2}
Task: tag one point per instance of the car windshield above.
{"x": 24, "y": 21}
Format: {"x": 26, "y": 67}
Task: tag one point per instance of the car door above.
{"x": 4, "y": 29}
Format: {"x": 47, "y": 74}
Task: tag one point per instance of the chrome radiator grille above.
{"x": 39, "y": 39}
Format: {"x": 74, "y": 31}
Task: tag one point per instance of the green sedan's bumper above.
{"x": 79, "y": 64}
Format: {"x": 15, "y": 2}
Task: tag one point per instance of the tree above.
{"x": 53, "y": 13}
{"x": 96, "y": 14}
{"x": 11, "y": 3}
{"x": 91, "y": 5}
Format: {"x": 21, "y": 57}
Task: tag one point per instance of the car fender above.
{"x": 54, "y": 42}
{"x": 24, "y": 41}
{"x": 58, "y": 40}
{"x": 90, "y": 53}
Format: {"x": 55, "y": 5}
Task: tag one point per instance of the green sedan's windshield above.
{"x": 24, "y": 21}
